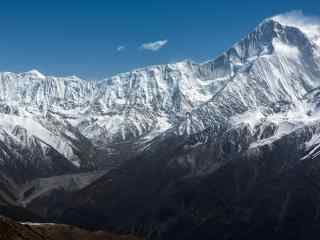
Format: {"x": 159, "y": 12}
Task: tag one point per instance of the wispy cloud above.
{"x": 154, "y": 46}
{"x": 310, "y": 25}
{"x": 121, "y": 48}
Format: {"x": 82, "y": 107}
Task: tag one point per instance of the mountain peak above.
{"x": 35, "y": 73}
{"x": 309, "y": 25}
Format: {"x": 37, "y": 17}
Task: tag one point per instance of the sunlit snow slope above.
{"x": 63, "y": 124}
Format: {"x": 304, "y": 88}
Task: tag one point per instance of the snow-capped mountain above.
{"x": 262, "y": 78}
{"x": 243, "y": 119}
{"x": 271, "y": 71}
{"x": 240, "y": 162}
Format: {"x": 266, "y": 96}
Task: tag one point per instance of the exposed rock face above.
{"x": 213, "y": 190}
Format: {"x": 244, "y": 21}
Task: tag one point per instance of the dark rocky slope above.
{"x": 257, "y": 193}
{"x": 11, "y": 230}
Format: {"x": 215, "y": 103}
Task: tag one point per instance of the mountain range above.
{"x": 225, "y": 149}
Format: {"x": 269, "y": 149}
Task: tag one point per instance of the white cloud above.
{"x": 121, "y": 48}
{"x": 310, "y": 25}
{"x": 154, "y": 46}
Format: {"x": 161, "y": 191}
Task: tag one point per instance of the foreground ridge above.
{"x": 11, "y": 230}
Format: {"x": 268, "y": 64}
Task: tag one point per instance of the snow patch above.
{"x": 285, "y": 49}
{"x": 35, "y": 73}
{"x": 37, "y": 224}
{"x": 252, "y": 118}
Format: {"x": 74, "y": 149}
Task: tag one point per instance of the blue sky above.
{"x": 96, "y": 39}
